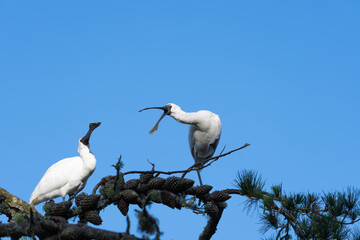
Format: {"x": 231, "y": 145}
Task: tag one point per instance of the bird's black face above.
{"x": 86, "y": 138}
{"x": 167, "y": 111}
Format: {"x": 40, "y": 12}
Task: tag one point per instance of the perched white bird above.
{"x": 67, "y": 176}
{"x": 204, "y": 130}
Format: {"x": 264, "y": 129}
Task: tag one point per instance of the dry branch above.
{"x": 197, "y": 166}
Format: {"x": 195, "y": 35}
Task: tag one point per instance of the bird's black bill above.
{"x": 157, "y": 124}
{"x": 166, "y": 110}
{"x": 92, "y": 127}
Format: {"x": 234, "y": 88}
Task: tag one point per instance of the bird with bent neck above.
{"x": 204, "y": 130}
{"x": 67, "y": 176}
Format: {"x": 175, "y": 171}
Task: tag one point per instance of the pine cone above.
{"x": 199, "y": 190}
{"x": 130, "y": 196}
{"x": 145, "y": 177}
{"x": 172, "y": 184}
{"x": 156, "y": 183}
{"x": 89, "y": 202}
{"x": 191, "y": 190}
{"x": 142, "y": 188}
{"x": 59, "y": 209}
{"x": 168, "y": 198}
{"x": 93, "y": 217}
{"x": 79, "y": 197}
{"x": 219, "y": 196}
{"x": 123, "y": 206}
{"x": 184, "y": 184}
{"x": 131, "y": 184}
{"x": 203, "y": 189}
{"x": 211, "y": 209}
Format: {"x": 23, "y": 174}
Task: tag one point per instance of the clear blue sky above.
{"x": 284, "y": 76}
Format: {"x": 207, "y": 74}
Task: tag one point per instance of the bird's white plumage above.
{"x": 66, "y": 176}
{"x": 204, "y": 136}
{"x": 204, "y": 131}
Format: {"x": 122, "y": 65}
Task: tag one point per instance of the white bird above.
{"x": 67, "y": 176}
{"x": 204, "y": 130}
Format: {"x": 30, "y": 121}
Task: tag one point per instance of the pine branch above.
{"x": 14, "y": 205}
{"x": 212, "y": 223}
{"x": 308, "y": 215}
{"x": 49, "y": 229}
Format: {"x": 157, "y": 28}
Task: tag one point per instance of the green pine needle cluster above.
{"x": 301, "y": 215}
{"x": 250, "y": 184}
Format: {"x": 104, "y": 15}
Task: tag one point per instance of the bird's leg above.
{"x": 197, "y": 161}
{"x": 71, "y": 197}
{"x": 63, "y": 197}
{"x": 198, "y": 172}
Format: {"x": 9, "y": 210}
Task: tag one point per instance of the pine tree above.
{"x": 289, "y": 215}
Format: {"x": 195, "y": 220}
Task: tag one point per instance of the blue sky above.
{"x": 282, "y": 75}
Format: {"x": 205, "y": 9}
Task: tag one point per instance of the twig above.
{"x": 194, "y": 167}
{"x": 197, "y": 212}
{"x": 152, "y": 164}
{"x": 127, "y": 225}
{"x": 201, "y": 163}
{"x": 117, "y": 166}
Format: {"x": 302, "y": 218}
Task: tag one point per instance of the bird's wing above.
{"x": 213, "y": 146}
{"x": 55, "y": 177}
{"x": 210, "y": 149}
{"x": 192, "y": 129}
{"x": 217, "y": 135}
